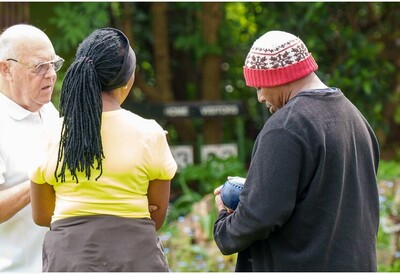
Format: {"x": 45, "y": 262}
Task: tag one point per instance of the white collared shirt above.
{"x": 21, "y": 148}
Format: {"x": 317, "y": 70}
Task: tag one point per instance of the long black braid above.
{"x": 98, "y": 60}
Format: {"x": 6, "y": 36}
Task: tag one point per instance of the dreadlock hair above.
{"x": 98, "y": 60}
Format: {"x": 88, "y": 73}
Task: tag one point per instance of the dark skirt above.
{"x": 103, "y": 244}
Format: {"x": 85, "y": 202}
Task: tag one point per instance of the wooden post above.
{"x": 12, "y": 13}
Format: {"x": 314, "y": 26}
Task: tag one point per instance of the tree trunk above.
{"x": 162, "y": 92}
{"x": 12, "y": 13}
{"x": 127, "y": 23}
{"x": 161, "y": 50}
{"x": 390, "y": 143}
{"x": 211, "y": 67}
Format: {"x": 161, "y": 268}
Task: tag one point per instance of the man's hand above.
{"x": 218, "y": 200}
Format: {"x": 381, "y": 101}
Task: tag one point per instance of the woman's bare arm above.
{"x": 43, "y": 201}
{"x": 158, "y": 195}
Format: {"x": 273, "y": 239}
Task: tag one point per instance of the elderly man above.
{"x": 28, "y": 66}
{"x": 310, "y": 200}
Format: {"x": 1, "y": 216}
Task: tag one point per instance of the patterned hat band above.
{"x": 279, "y": 76}
{"x": 277, "y": 58}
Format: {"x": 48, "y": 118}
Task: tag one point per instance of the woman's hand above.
{"x": 152, "y": 208}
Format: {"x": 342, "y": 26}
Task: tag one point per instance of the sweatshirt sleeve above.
{"x": 269, "y": 194}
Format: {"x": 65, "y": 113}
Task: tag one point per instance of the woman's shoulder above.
{"x": 149, "y": 125}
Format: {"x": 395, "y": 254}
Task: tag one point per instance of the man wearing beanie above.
{"x": 310, "y": 201}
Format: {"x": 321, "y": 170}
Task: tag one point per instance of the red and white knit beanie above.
{"x": 277, "y": 58}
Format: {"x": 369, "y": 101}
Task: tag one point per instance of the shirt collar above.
{"x": 13, "y": 109}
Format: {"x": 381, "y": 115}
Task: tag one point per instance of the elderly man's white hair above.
{"x": 15, "y": 38}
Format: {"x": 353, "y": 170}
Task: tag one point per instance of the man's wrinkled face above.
{"x": 271, "y": 97}
{"x": 29, "y": 89}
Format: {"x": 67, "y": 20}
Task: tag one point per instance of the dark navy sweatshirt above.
{"x": 310, "y": 201}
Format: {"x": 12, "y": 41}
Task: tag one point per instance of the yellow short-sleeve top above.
{"x": 136, "y": 151}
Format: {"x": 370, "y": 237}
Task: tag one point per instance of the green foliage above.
{"x": 388, "y": 178}
{"x": 198, "y": 180}
{"x": 388, "y": 170}
{"x": 195, "y": 182}
{"x": 67, "y": 19}
{"x": 344, "y": 38}
{"x": 395, "y": 267}
{"x": 196, "y": 43}
{"x": 68, "y": 25}
{"x": 383, "y": 240}
{"x": 185, "y": 256}
{"x": 353, "y": 43}
{"x": 396, "y": 98}
{"x": 239, "y": 24}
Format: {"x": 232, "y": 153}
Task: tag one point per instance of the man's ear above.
{"x": 5, "y": 69}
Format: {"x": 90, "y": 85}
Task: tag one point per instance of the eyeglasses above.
{"x": 42, "y": 68}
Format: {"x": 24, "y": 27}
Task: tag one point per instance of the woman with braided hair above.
{"x": 105, "y": 165}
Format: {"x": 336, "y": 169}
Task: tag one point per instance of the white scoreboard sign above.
{"x": 183, "y": 154}
{"x": 221, "y": 151}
